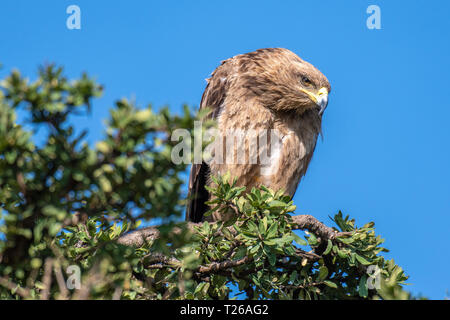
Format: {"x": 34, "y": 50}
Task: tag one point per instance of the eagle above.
{"x": 269, "y": 89}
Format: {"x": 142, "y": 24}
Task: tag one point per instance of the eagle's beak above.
{"x": 322, "y": 100}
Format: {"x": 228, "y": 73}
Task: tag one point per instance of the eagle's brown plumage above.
{"x": 266, "y": 89}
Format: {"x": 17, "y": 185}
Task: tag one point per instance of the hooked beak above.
{"x": 320, "y": 98}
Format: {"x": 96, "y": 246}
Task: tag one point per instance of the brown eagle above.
{"x": 268, "y": 89}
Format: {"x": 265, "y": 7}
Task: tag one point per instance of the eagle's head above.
{"x": 282, "y": 81}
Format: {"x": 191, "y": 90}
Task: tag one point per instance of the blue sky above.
{"x": 385, "y": 155}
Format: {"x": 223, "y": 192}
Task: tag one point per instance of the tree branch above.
{"x": 159, "y": 261}
{"x": 218, "y": 266}
{"x": 5, "y": 282}
{"x": 308, "y": 222}
{"x": 138, "y": 237}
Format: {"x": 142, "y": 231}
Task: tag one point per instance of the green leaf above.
{"x": 271, "y": 242}
{"x": 312, "y": 240}
{"x": 362, "y": 260}
{"x": 330, "y": 284}
{"x": 103, "y": 147}
{"x": 272, "y": 232}
{"x": 272, "y": 259}
{"x": 263, "y": 226}
{"x": 323, "y": 273}
{"x": 299, "y": 240}
{"x": 329, "y": 247}
{"x": 276, "y": 204}
{"x": 362, "y": 289}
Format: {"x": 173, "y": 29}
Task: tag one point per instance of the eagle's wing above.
{"x": 213, "y": 98}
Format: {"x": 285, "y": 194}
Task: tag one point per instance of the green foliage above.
{"x": 64, "y": 203}
{"x": 279, "y": 266}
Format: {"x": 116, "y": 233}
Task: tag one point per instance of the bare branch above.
{"x": 63, "y": 292}
{"x": 47, "y": 279}
{"x": 5, "y": 282}
{"x": 301, "y": 222}
{"x": 139, "y": 237}
{"x": 218, "y": 266}
{"x": 308, "y": 222}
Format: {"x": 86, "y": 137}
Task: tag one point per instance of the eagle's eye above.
{"x": 306, "y": 81}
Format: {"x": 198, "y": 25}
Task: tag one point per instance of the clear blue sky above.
{"x": 385, "y": 155}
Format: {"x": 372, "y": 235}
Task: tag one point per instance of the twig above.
{"x": 139, "y": 237}
{"x": 117, "y": 293}
{"x": 64, "y": 293}
{"x": 5, "y": 282}
{"x": 218, "y": 266}
{"x": 47, "y": 279}
{"x": 308, "y": 222}
{"x": 307, "y": 285}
